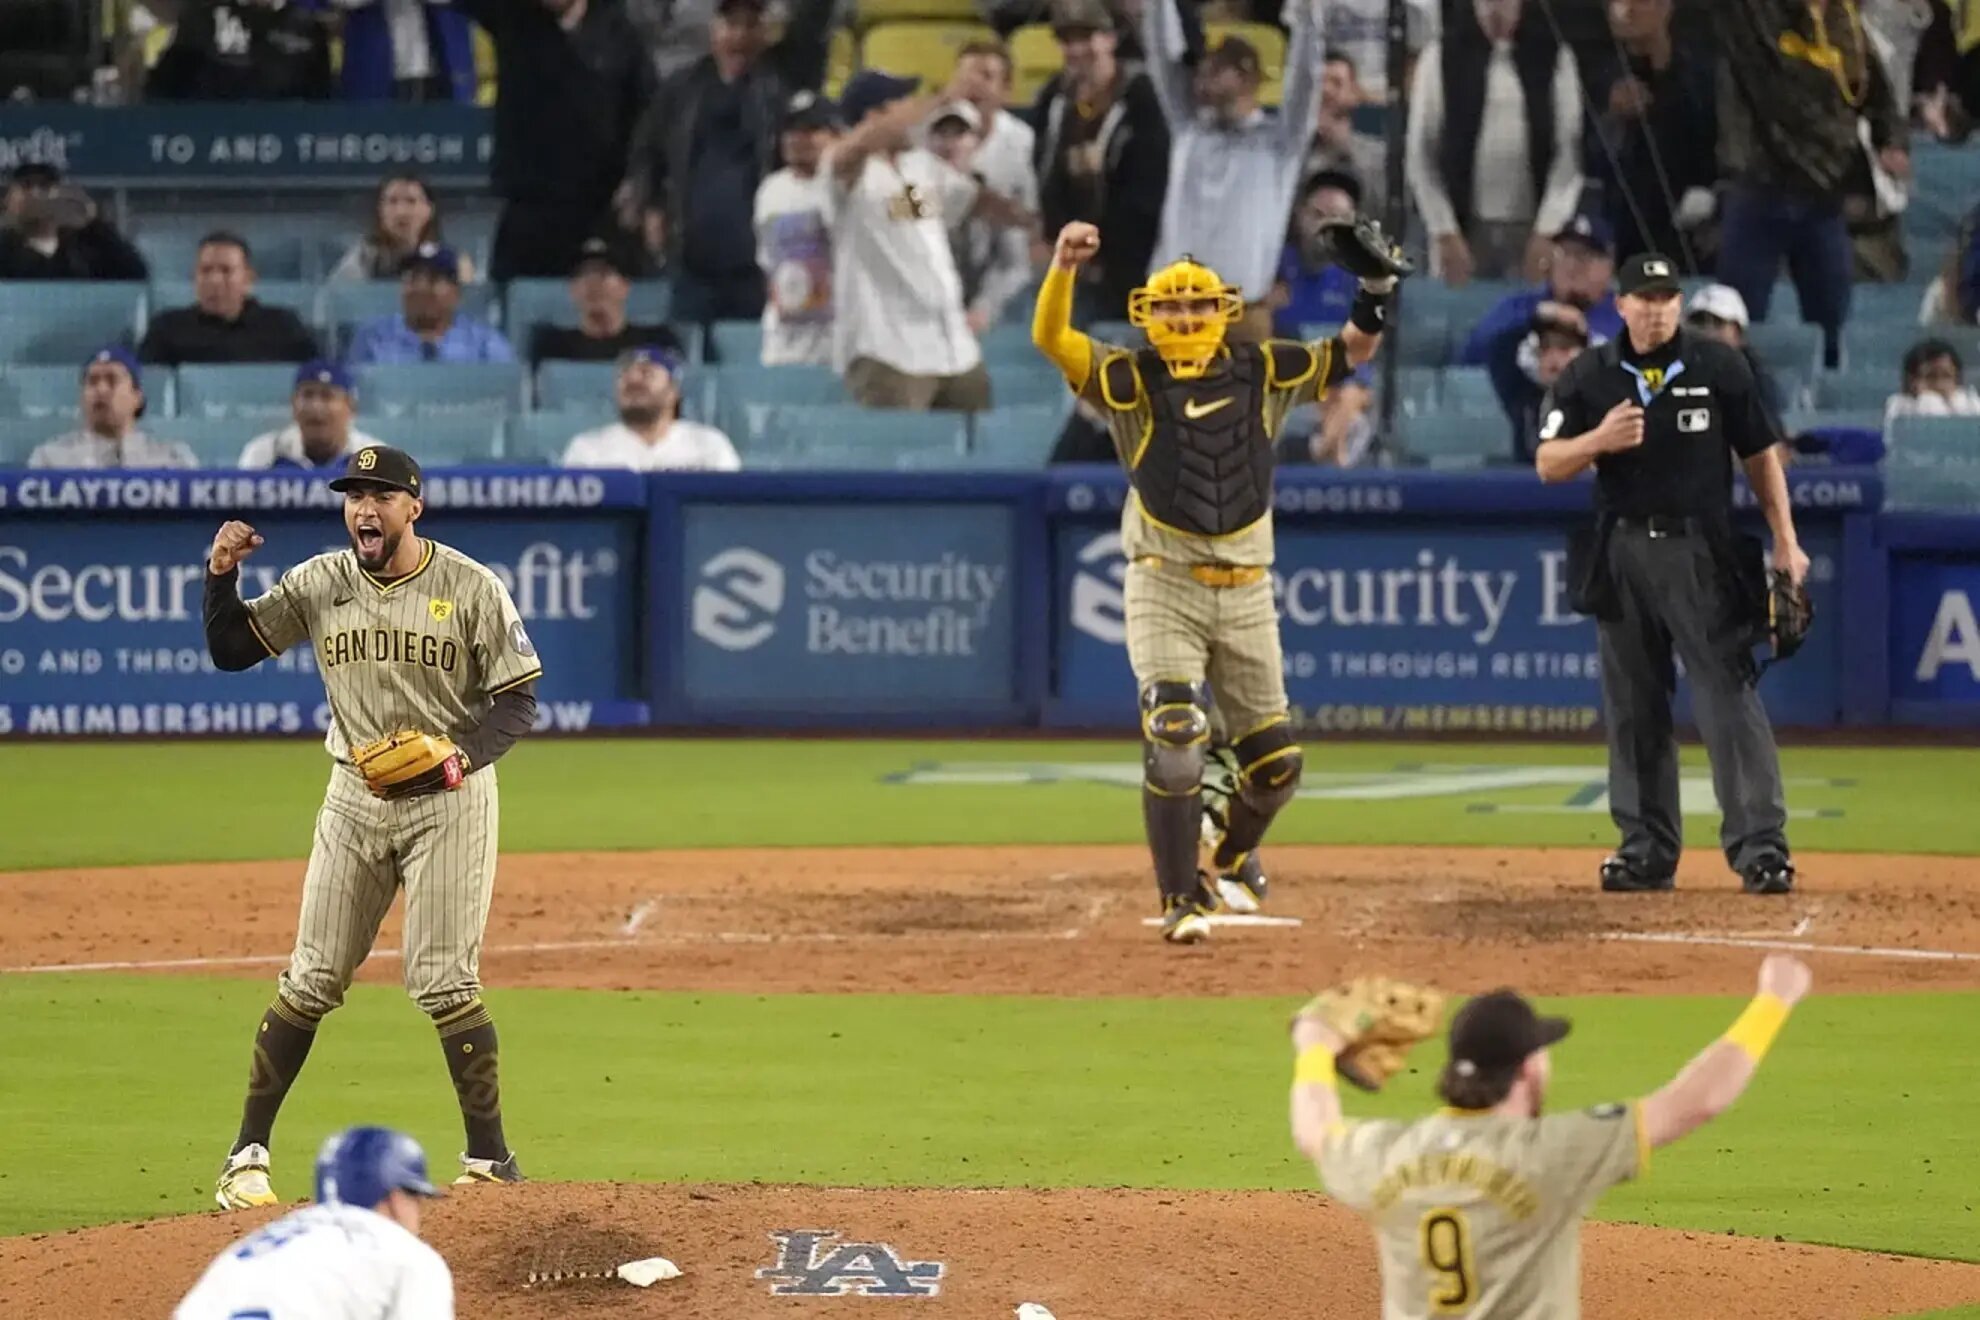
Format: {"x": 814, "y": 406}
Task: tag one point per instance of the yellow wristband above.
{"x": 1315, "y": 1066}
{"x": 1755, "y": 1029}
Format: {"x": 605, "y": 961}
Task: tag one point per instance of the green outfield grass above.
{"x": 110, "y": 804}
{"x": 1858, "y": 1133}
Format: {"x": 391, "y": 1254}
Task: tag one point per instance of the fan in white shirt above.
{"x": 1934, "y": 384}
{"x": 650, "y": 435}
{"x": 794, "y": 239}
{"x": 321, "y": 436}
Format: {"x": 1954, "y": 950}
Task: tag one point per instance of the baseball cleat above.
{"x": 1186, "y": 918}
{"x": 1621, "y": 877}
{"x": 1773, "y": 875}
{"x": 243, "y": 1181}
{"x": 490, "y": 1171}
{"x": 1241, "y": 889}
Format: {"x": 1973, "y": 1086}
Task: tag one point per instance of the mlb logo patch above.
{"x": 1692, "y": 421}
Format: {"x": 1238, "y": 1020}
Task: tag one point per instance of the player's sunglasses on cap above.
{"x": 380, "y": 465}
{"x": 1648, "y": 274}
{"x": 1498, "y": 1031}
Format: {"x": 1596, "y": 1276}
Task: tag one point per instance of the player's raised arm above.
{"x": 1051, "y": 321}
{"x": 1361, "y": 248}
{"x": 1711, "y": 1082}
{"x": 1363, "y": 1031}
{"x": 231, "y": 638}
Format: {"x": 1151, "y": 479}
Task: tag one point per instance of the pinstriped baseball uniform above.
{"x": 426, "y": 652}
{"x": 1178, "y": 628}
{"x": 1478, "y": 1215}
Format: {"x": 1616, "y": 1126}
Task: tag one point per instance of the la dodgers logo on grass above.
{"x": 807, "y": 1266}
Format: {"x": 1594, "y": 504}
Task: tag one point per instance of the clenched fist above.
{"x": 1078, "y": 244}
{"x": 232, "y": 544}
{"x": 1785, "y": 977}
{"x": 1622, "y": 429}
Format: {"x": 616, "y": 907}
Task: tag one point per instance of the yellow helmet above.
{"x": 1187, "y": 338}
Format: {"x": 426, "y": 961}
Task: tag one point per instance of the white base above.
{"x": 1224, "y": 919}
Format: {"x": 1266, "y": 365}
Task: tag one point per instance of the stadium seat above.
{"x": 736, "y": 343}
{"x": 40, "y": 392}
{"x": 1446, "y": 439}
{"x": 348, "y": 303}
{"x": 919, "y": 50}
{"x": 871, "y": 13}
{"x": 739, "y": 399}
{"x": 1035, "y": 57}
{"x": 1468, "y": 391}
{"x": 258, "y": 391}
{"x": 1008, "y": 344}
{"x": 1462, "y": 308}
{"x": 1789, "y": 345}
{"x": 1018, "y": 437}
{"x": 534, "y": 302}
{"x": 1868, "y": 343}
{"x": 574, "y": 387}
{"x": 217, "y": 441}
{"x": 279, "y": 249}
{"x": 64, "y": 321}
{"x": 1271, "y": 46}
{"x": 542, "y": 437}
{"x": 1856, "y": 389}
{"x": 429, "y": 389}
{"x": 1019, "y": 310}
{"x": 845, "y": 435}
{"x": 299, "y": 296}
{"x": 444, "y": 440}
{"x": 19, "y": 436}
{"x": 1033, "y": 382}
{"x": 1894, "y": 305}
{"x": 1933, "y": 463}
{"x": 1418, "y": 389}
{"x": 1423, "y": 339}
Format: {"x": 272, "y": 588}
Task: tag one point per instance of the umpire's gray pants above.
{"x": 1672, "y": 595}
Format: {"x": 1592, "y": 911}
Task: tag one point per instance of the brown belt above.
{"x": 1210, "y": 575}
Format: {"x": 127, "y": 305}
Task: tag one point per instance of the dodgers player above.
{"x": 409, "y": 635}
{"x": 354, "y": 1255}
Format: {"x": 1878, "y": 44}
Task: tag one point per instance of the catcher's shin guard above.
{"x": 1175, "y": 729}
{"x": 1269, "y": 766}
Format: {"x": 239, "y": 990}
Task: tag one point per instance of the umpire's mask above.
{"x": 1185, "y": 309}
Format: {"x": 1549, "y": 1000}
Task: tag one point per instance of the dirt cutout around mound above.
{"x": 1084, "y": 1254}
{"x": 1065, "y": 921}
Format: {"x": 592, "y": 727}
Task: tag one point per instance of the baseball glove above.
{"x": 1381, "y": 1020}
{"x": 1790, "y": 613}
{"x": 1361, "y": 248}
{"x": 405, "y": 764}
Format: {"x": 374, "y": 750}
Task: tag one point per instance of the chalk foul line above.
{"x": 1787, "y": 945}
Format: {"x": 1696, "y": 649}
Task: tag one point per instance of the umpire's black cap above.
{"x": 380, "y": 465}
{"x": 1648, "y": 273}
{"x": 1498, "y": 1031}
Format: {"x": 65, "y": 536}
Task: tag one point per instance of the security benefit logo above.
{"x": 810, "y": 1265}
{"x": 842, "y": 605}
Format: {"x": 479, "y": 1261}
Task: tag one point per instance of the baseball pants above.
{"x": 1182, "y": 631}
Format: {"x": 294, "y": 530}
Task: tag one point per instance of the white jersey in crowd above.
{"x": 86, "y": 449}
{"x": 686, "y": 447}
{"x": 794, "y": 248}
{"x": 285, "y": 447}
{"x": 325, "y": 1262}
{"x": 894, "y": 282}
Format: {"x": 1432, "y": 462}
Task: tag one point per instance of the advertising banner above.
{"x": 1414, "y": 628}
{"x": 100, "y": 627}
{"x": 849, "y": 607}
{"x": 1935, "y": 629}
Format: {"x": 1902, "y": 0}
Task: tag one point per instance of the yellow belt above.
{"x": 1210, "y": 575}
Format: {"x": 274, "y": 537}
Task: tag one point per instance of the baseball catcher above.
{"x": 1477, "y": 1209}
{"x": 1193, "y": 419}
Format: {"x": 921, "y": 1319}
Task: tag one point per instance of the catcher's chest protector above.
{"x": 1208, "y": 466}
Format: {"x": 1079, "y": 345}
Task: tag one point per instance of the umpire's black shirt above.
{"x": 1699, "y": 399}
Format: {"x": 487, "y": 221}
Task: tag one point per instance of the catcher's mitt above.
{"x": 1361, "y": 248}
{"x": 405, "y": 764}
{"x": 1381, "y": 1021}
{"x": 1790, "y": 612}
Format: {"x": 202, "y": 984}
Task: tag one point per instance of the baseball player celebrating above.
{"x": 1477, "y": 1210}
{"x": 354, "y": 1255}
{"x": 429, "y": 676}
{"x": 1193, "y": 420}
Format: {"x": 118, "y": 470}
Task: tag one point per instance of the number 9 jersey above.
{"x": 1479, "y": 1215}
{"x": 324, "y": 1262}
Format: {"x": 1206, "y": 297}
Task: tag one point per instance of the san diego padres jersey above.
{"x": 1199, "y": 453}
{"x": 325, "y": 1262}
{"x": 1480, "y": 1216}
{"x": 426, "y": 652}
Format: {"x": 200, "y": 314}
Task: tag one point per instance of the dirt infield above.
{"x": 1059, "y": 920}
{"x": 1068, "y": 921}
{"x": 1084, "y": 1254}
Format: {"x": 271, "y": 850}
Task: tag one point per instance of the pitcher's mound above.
{"x": 1085, "y": 1254}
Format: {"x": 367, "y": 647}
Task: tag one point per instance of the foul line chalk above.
{"x": 1237, "y": 920}
{"x": 1790, "y": 946}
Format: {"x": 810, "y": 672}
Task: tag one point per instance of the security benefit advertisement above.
{"x": 1406, "y": 628}
{"x": 884, "y": 608}
{"x": 1935, "y": 630}
{"x": 100, "y": 623}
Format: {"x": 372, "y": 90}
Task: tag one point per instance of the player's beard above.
{"x": 637, "y": 415}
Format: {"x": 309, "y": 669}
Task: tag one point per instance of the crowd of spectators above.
{"x": 885, "y": 233}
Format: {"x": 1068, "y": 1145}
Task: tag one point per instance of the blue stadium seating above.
{"x": 442, "y": 440}
{"x": 1418, "y": 389}
{"x": 531, "y": 302}
{"x": 1016, "y": 437}
{"x": 40, "y": 392}
{"x": 1462, "y": 308}
{"x": 1455, "y": 440}
{"x": 741, "y": 395}
{"x": 217, "y": 441}
{"x": 845, "y": 435}
{"x": 736, "y": 343}
{"x": 428, "y": 389}
{"x": 1933, "y": 463}
{"x": 1424, "y": 338}
{"x": 64, "y": 321}
{"x": 574, "y": 386}
{"x": 1790, "y": 345}
{"x": 19, "y": 436}
{"x": 1008, "y": 345}
{"x": 1865, "y": 389}
{"x": 542, "y": 437}
{"x": 299, "y": 296}
{"x": 1888, "y": 304}
{"x": 1034, "y": 382}
{"x": 282, "y": 248}
{"x": 1468, "y": 391}
{"x": 258, "y": 391}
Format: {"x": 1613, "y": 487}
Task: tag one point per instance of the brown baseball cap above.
{"x": 1081, "y": 16}
{"x": 1499, "y": 1030}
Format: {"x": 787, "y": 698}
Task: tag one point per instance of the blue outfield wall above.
{"x": 1411, "y": 602}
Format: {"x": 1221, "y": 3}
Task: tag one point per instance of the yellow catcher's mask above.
{"x": 1185, "y": 310}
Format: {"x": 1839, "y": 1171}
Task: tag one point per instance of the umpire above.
{"x": 1654, "y": 411}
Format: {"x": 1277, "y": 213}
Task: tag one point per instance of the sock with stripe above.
{"x": 467, "y": 1034}
{"x": 281, "y": 1044}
